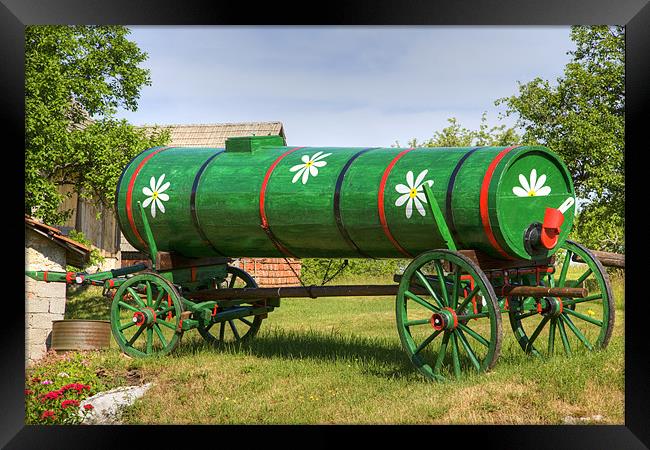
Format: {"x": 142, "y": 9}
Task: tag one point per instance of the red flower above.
{"x": 48, "y": 414}
{"x": 52, "y": 395}
{"x": 66, "y": 403}
{"x": 88, "y": 406}
{"x": 28, "y": 392}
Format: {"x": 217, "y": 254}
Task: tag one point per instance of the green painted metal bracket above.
{"x": 439, "y": 218}
{"x": 151, "y": 243}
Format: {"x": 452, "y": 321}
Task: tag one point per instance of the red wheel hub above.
{"x": 444, "y": 320}
{"x": 139, "y": 318}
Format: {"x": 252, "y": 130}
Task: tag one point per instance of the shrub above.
{"x": 315, "y": 270}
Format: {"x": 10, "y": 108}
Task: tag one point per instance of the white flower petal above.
{"x": 160, "y": 205}
{"x": 305, "y": 158}
{"x": 297, "y": 175}
{"x": 533, "y": 178}
{"x": 298, "y": 167}
{"x": 153, "y": 209}
{"x": 163, "y": 197}
{"x": 420, "y": 177}
{"x": 401, "y": 199}
{"x": 519, "y": 192}
{"x": 315, "y": 158}
{"x": 543, "y": 191}
{"x": 320, "y": 163}
{"x": 402, "y": 189}
{"x": 409, "y": 179}
{"x": 160, "y": 180}
{"x": 316, "y": 155}
{"x": 313, "y": 171}
{"x": 540, "y": 182}
{"x": 147, "y": 201}
{"x": 419, "y": 207}
{"x": 146, "y": 191}
{"x": 152, "y": 183}
{"x": 164, "y": 187}
{"x": 305, "y": 176}
{"x": 421, "y": 196}
{"x": 524, "y": 183}
{"x": 430, "y": 182}
{"x": 409, "y": 208}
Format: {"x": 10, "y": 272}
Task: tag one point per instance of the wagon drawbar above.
{"x": 485, "y": 229}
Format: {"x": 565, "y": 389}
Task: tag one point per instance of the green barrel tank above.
{"x": 259, "y": 197}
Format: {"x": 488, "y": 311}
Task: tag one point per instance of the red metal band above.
{"x": 129, "y": 193}
{"x": 264, "y": 219}
{"x": 380, "y": 204}
{"x": 483, "y": 202}
{"x": 193, "y": 273}
{"x": 45, "y": 276}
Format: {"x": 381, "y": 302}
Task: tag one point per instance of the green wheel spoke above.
{"x": 171, "y": 326}
{"x": 427, "y": 341}
{"x": 538, "y": 330}
{"x": 135, "y": 336}
{"x": 454, "y": 293}
{"x": 231, "y": 284}
{"x": 468, "y": 299}
{"x": 410, "y": 323}
{"x": 234, "y": 329}
{"x": 127, "y": 325}
{"x": 160, "y": 335}
{"x": 524, "y": 315}
{"x": 159, "y": 299}
{"x": 474, "y": 334}
{"x": 427, "y": 285}
{"x": 421, "y": 301}
{"x": 454, "y": 354}
{"x": 443, "y": 282}
{"x": 583, "y": 317}
{"x": 127, "y": 306}
{"x": 468, "y": 350}
{"x": 565, "y": 339}
{"x": 164, "y": 310}
{"x": 565, "y": 268}
{"x": 136, "y": 297}
{"x": 441, "y": 353}
{"x": 149, "y": 296}
{"x": 575, "y": 330}
{"x": 222, "y": 331}
{"x": 473, "y": 316}
{"x": 589, "y": 298}
{"x": 583, "y": 277}
{"x": 247, "y": 322}
{"x": 551, "y": 336}
{"x": 149, "y": 341}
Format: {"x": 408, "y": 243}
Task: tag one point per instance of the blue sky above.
{"x": 341, "y": 86}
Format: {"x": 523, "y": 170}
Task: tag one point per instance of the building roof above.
{"x": 215, "y": 134}
{"x": 77, "y": 254}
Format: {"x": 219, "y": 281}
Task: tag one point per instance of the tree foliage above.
{"x": 75, "y": 79}
{"x": 582, "y": 118}
{"x": 456, "y": 135}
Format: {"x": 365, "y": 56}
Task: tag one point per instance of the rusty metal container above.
{"x": 81, "y": 334}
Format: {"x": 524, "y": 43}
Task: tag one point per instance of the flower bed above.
{"x": 56, "y": 386}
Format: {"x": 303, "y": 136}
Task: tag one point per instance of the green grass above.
{"x": 339, "y": 360}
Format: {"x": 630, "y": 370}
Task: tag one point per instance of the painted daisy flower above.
{"x": 309, "y": 166}
{"x": 412, "y": 192}
{"x": 155, "y": 196}
{"x": 533, "y": 188}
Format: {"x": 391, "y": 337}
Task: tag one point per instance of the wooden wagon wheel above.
{"x": 145, "y": 313}
{"x": 585, "y": 323}
{"x": 234, "y": 330}
{"x": 436, "y": 321}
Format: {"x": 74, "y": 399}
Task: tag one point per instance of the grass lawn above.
{"x": 339, "y": 360}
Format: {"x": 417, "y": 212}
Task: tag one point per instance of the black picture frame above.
{"x": 634, "y": 14}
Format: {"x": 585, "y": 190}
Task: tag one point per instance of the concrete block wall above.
{"x": 44, "y": 302}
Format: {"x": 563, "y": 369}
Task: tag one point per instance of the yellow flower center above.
{"x": 413, "y": 193}
{"x": 531, "y": 193}
{"x": 155, "y": 195}
{"x": 309, "y": 164}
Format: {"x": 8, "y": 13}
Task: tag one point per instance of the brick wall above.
{"x": 272, "y": 272}
{"x": 44, "y": 302}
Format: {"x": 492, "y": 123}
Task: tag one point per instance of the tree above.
{"x": 582, "y": 118}
{"x": 457, "y": 136}
{"x": 75, "y": 79}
